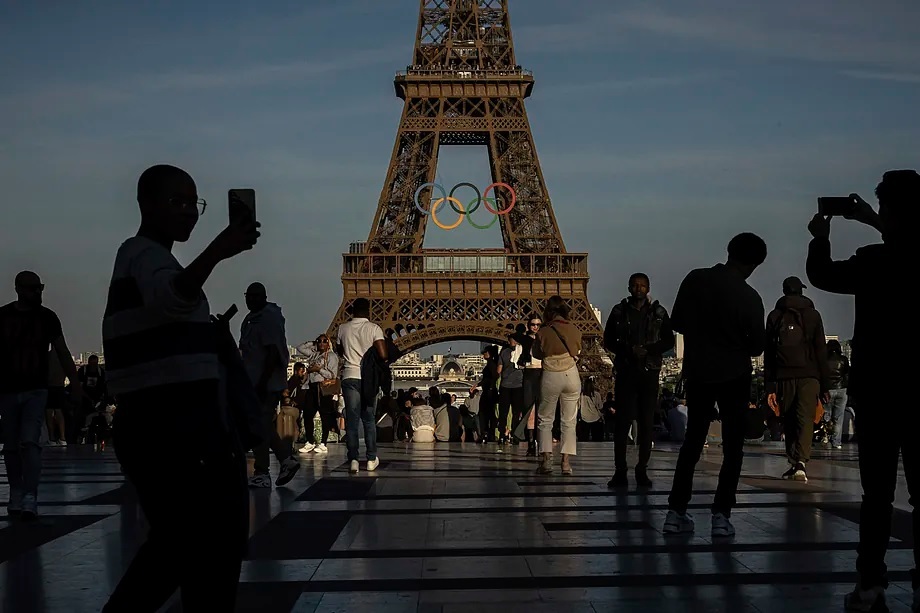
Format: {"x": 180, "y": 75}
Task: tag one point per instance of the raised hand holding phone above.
{"x": 242, "y": 233}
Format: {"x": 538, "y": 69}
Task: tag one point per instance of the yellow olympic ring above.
{"x": 434, "y": 210}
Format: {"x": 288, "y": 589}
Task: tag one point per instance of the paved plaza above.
{"x": 460, "y": 527}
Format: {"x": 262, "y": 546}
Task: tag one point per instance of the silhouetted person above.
{"x": 795, "y": 371}
{"x": 161, "y": 353}
{"x": 881, "y": 362}
{"x": 27, "y": 331}
{"x": 638, "y": 332}
{"x": 263, "y": 346}
{"x": 722, "y": 320}
{"x": 838, "y": 368}
{"x": 355, "y": 338}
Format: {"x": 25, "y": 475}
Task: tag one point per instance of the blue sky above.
{"x": 664, "y": 127}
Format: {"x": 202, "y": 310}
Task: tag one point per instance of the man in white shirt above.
{"x": 355, "y": 338}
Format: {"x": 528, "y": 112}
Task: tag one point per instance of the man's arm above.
{"x": 70, "y": 369}
{"x": 666, "y": 337}
{"x": 836, "y": 277}
{"x": 769, "y": 351}
{"x": 232, "y": 241}
{"x": 615, "y": 345}
{"x": 682, "y": 311}
{"x": 380, "y": 344}
{"x": 756, "y": 334}
{"x": 820, "y": 348}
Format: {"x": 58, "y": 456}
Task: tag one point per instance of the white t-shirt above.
{"x": 356, "y": 337}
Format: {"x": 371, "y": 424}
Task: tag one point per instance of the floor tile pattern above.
{"x": 461, "y": 527}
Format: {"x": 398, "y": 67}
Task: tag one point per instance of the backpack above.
{"x": 791, "y": 341}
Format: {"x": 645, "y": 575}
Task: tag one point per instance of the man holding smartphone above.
{"x": 881, "y": 364}
{"x": 161, "y": 352}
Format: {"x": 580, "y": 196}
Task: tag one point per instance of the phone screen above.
{"x": 242, "y": 205}
{"x": 836, "y": 205}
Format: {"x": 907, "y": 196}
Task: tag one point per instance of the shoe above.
{"x": 722, "y": 526}
{"x": 546, "y": 464}
{"x": 789, "y": 473}
{"x": 799, "y": 473}
{"x": 566, "y": 467}
{"x": 838, "y": 446}
{"x": 62, "y": 443}
{"x": 29, "y": 507}
{"x": 373, "y": 464}
{"x": 866, "y": 601}
{"x": 532, "y": 449}
{"x": 260, "y": 481}
{"x": 619, "y": 480}
{"x": 354, "y": 467}
{"x": 677, "y": 523}
{"x": 289, "y": 468}
{"x": 307, "y": 448}
{"x": 321, "y": 448}
{"x": 15, "y": 505}
{"x": 642, "y": 479}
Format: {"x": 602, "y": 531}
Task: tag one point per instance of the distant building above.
{"x": 679, "y": 345}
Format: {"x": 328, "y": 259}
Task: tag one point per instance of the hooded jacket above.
{"x": 806, "y": 359}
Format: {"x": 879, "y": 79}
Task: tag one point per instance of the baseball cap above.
{"x": 793, "y": 285}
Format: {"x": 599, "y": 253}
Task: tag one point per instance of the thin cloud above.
{"x": 891, "y": 77}
{"x": 71, "y": 97}
{"x": 625, "y": 86}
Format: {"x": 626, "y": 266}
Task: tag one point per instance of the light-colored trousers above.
{"x": 564, "y": 388}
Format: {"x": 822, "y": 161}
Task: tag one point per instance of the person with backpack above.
{"x": 795, "y": 371}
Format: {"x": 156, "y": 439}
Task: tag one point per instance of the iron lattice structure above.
{"x": 464, "y": 87}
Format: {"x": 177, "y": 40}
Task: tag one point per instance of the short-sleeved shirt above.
{"x": 512, "y": 376}
{"x": 25, "y": 340}
{"x": 356, "y": 337}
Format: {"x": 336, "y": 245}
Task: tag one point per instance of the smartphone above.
{"x": 231, "y": 312}
{"x": 836, "y": 205}
{"x": 242, "y": 205}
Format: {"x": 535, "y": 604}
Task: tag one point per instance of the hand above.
{"x": 862, "y": 212}
{"x": 771, "y": 402}
{"x": 235, "y": 239}
{"x": 825, "y": 397}
{"x": 820, "y": 226}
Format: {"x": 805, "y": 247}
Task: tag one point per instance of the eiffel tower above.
{"x": 464, "y": 87}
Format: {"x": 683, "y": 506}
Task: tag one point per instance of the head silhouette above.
{"x": 168, "y": 199}
{"x": 555, "y": 307}
{"x": 746, "y": 252}
{"x": 899, "y": 204}
{"x": 833, "y": 346}
{"x": 256, "y": 297}
{"x": 361, "y": 307}
{"x": 29, "y": 289}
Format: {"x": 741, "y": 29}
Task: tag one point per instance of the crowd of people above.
{"x": 164, "y": 348}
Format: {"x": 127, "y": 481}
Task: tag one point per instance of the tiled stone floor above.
{"x": 457, "y": 528}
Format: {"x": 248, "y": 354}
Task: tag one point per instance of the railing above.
{"x": 463, "y": 73}
{"x": 466, "y": 263}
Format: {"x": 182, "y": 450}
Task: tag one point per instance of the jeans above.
{"x": 513, "y": 398}
{"x": 798, "y": 401}
{"x": 193, "y": 494}
{"x": 564, "y": 388}
{"x": 733, "y": 398}
{"x": 835, "y": 409}
{"x": 281, "y": 447}
{"x": 23, "y": 414}
{"x": 880, "y": 444}
{"x": 354, "y": 413}
{"x": 637, "y": 392}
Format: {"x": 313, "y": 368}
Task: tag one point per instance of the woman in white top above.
{"x": 322, "y": 371}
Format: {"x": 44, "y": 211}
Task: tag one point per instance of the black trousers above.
{"x": 798, "y": 401}
{"x": 887, "y": 428}
{"x": 487, "y": 420}
{"x": 733, "y": 398}
{"x": 509, "y": 398}
{"x": 194, "y": 497}
{"x": 637, "y": 399}
{"x": 325, "y": 406}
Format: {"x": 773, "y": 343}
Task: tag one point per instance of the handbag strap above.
{"x": 564, "y": 344}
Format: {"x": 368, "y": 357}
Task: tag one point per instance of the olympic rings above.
{"x": 482, "y": 198}
{"x": 439, "y": 202}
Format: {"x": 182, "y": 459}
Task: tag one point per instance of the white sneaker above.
{"x": 321, "y": 449}
{"x": 29, "y": 507}
{"x": 863, "y": 601}
{"x": 260, "y": 481}
{"x": 355, "y": 467}
{"x": 722, "y": 526}
{"x": 15, "y": 504}
{"x": 373, "y": 464}
{"x": 307, "y": 448}
{"x": 289, "y": 468}
{"x": 675, "y": 523}
{"x": 62, "y": 443}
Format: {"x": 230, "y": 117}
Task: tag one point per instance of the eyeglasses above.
{"x": 323, "y": 341}
{"x": 201, "y": 204}
{"x": 536, "y": 324}
{"x": 32, "y": 287}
